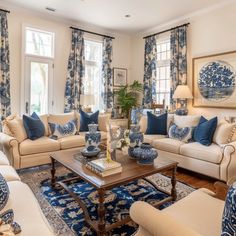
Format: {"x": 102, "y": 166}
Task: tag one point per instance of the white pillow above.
{"x": 225, "y": 133}
{"x": 186, "y": 121}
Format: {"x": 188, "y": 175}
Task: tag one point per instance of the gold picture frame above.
{"x": 214, "y": 80}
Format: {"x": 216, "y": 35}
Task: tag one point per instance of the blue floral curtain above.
{"x": 4, "y": 68}
{"x": 107, "y": 90}
{"x": 149, "y": 80}
{"x": 75, "y": 72}
{"x": 178, "y": 62}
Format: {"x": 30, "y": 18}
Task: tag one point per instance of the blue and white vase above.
{"x": 145, "y": 154}
{"x": 135, "y": 136}
{"x": 93, "y": 137}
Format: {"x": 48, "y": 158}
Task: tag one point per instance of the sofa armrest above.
{"x": 228, "y": 163}
{"x": 10, "y": 147}
{"x": 157, "y": 222}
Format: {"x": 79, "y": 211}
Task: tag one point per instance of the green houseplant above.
{"x": 129, "y": 96}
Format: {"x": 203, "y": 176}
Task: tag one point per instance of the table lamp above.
{"x": 87, "y": 100}
{"x": 181, "y": 94}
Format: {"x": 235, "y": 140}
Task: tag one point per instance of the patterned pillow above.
{"x": 229, "y": 214}
{"x": 182, "y": 134}
{"x": 60, "y": 131}
{"x": 4, "y": 192}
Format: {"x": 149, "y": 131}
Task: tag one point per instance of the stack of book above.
{"x": 104, "y": 168}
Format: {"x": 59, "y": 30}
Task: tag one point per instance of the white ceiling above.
{"x": 110, "y": 14}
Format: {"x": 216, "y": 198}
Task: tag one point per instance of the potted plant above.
{"x": 129, "y": 96}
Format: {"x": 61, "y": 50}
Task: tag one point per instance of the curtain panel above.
{"x": 75, "y": 72}
{"x": 178, "y": 62}
{"x": 107, "y": 88}
{"x": 150, "y": 64}
{"x": 4, "y": 68}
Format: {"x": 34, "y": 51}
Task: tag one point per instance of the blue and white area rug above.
{"x": 66, "y": 217}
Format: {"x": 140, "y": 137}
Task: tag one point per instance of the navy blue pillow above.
{"x": 34, "y": 127}
{"x": 205, "y": 130}
{"x": 86, "y": 119}
{"x": 156, "y": 124}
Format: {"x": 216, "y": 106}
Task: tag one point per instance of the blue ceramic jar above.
{"x": 145, "y": 154}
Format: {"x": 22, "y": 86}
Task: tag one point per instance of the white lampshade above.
{"x": 182, "y": 92}
{"x": 87, "y": 99}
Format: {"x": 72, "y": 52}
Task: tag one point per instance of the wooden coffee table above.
{"x": 131, "y": 171}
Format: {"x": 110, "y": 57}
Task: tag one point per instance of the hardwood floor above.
{"x": 194, "y": 179}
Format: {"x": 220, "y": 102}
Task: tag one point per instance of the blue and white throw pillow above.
{"x": 229, "y": 214}
{"x": 60, "y": 131}
{"x": 182, "y": 134}
{"x": 4, "y": 192}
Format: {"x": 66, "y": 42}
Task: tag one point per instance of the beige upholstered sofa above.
{"x": 217, "y": 160}
{"x": 23, "y": 152}
{"x": 186, "y": 217}
{"x": 27, "y": 212}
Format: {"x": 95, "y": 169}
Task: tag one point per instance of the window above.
{"x": 93, "y": 70}
{"x": 38, "y": 71}
{"x": 163, "y": 71}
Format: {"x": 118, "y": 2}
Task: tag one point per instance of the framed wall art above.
{"x": 214, "y": 80}
{"x": 119, "y": 77}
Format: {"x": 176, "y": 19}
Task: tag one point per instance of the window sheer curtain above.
{"x": 107, "y": 88}
{"x": 75, "y": 72}
{"x": 178, "y": 62}
{"x": 150, "y": 66}
{"x": 5, "y": 98}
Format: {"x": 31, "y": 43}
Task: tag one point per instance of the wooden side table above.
{"x": 122, "y": 122}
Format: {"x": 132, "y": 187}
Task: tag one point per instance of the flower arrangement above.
{"x": 124, "y": 143}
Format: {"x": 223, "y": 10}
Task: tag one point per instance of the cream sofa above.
{"x": 186, "y": 217}
{"x": 217, "y": 160}
{"x": 23, "y": 152}
{"x": 27, "y": 212}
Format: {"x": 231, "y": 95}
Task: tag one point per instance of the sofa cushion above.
{"x": 212, "y": 153}
{"x": 40, "y": 145}
{"x": 224, "y": 132}
{"x": 34, "y": 127}
{"x": 60, "y": 118}
{"x": 86, "y": 119}
{"x": 205, "y": 130}
{"x": 143, "y": 122}
{"x": 186, "y": 121}
{"x": 17, "y": 128}
{"x": 60, "y": 131}
{"x": 9, "y": 173}
{"x": 156, "y": 124}
{"x": 71, "y": 141}
{"x": 27, "y": 212}
{"x": 3, "y": 159}
{"x": 149, "y": 138}
{"x": 199, "y": 211}
{"x": 168, "y": 145}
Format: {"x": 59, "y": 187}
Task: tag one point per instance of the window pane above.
{"x": 39, "y": 88}
{"x": 163, "y": 47}
{"x": 39, "y": 43}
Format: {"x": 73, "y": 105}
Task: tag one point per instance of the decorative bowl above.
{"x": 90, "y": 153}
{"x": 145, "y": 154}
{"x": 131, "y": 152}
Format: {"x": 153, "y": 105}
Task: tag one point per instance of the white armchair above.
{"x": 198, "y": 214}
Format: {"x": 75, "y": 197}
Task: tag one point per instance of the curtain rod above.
{"x": 90, "y": 32}
{"x": 4, "y": 10}
{"x": 164, "y": 31}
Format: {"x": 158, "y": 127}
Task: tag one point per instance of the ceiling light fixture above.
{"x": 50, "y": 9}
{"x": 127, "y": 16}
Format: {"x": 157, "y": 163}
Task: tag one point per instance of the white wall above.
{"x": 19, "y": 17}
{"x": 211, "y": 32}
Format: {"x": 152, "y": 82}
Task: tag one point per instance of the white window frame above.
{"x": 24, "y": 57}
{"x": 162, "y": 63}
{"x": 93, "y": 63}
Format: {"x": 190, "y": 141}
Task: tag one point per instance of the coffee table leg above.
{"x": 53, "y": 171}
{"x": 101, "y": 213}
{"x": 173, "y": 182}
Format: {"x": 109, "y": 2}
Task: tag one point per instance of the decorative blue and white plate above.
{"x": 93, "y": 153}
